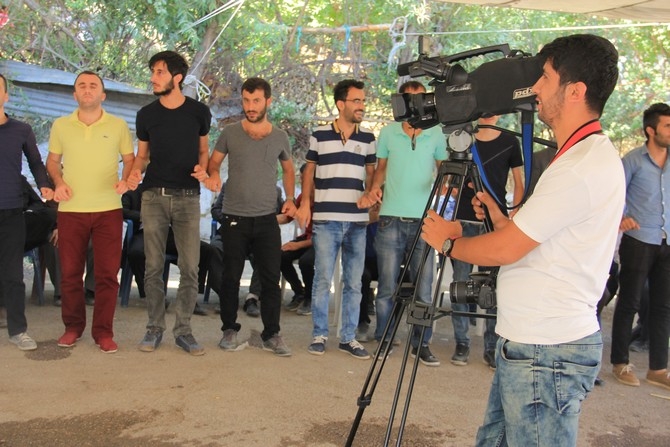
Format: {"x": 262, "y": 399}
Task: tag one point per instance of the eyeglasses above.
{"x": 356, "y": 101}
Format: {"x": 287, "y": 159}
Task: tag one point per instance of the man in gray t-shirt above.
{"x": 249, "y": 223}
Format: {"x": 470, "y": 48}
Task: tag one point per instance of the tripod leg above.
{"x": 371, "y": 380}
{"x": 456, "y": 172}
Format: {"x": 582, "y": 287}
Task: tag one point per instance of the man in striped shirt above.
{"x": 340, "y": 164}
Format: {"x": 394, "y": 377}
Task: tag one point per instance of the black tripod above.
{"x": 456, "y": 170}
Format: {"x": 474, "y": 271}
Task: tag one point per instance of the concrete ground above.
{"x": 80, "y": 396}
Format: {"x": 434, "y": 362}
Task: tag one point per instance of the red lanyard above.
{"x": 588, "y": 129}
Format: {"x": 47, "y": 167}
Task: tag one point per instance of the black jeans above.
{"x": 259, "y": 236}
{"x": 641, "y": 262}
{"x": 305, "y": 257}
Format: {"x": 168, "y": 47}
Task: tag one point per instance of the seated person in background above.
{"x": 132, "y": 202}
{"x": 40, "y": 221}
{"x": 252, "y": 300}
{"x": 40, "y": 218}
{"x": 41, "y": 232}
{"x": 370, "y": 273}
{"x": 301, "y": 249}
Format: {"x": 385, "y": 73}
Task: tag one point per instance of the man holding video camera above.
{"x": 555, "y": 255}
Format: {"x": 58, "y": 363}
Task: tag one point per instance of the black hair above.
{"x": 176, "y": 64}
{"x": 411, "y": 85}
{"x": 89, "y": 72}
{"x": 585, "y": 58}
{"x": 341, "y": 90}
{"x": 253, "y": 84}
{"x": 652, "y": 116}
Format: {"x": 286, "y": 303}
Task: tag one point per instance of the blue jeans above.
{"x": 327, "y": 238}
{"x": 393, "y": 243}
{"x": 461, "y": 325}
{"x": 183, "y": 214}
{"x": 537, "y": 392}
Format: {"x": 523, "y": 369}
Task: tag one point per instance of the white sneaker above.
{"x": 24, "y": 342}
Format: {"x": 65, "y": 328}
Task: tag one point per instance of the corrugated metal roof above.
{"x": 34, "y": 74}
{"x": 47, "y": 93}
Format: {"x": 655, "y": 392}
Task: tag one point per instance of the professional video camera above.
{"x": 497, "y": 87}
{"x": 480, "y": 289}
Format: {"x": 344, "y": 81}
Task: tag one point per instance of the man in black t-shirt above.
{"x": 172, "y": 133}
{"x": 499, "y": 153}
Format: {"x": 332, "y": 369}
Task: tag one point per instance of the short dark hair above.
{"x": 341, "y": 89}
{"x": 411, "y": 85}
{"x": 652, "y": 116}
{"x": 4, "y": 81}
{"x": 585, "y": 58}
{"x": 253, "y": 84}
{"x": 176, "y": 64}
{"x": 89, "y": 72}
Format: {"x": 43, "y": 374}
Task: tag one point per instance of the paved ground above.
{"x": 80, "y": 396}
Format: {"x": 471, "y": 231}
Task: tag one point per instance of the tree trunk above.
{"x": 199, "y": 62}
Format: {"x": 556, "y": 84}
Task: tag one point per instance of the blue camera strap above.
{"x": 527, "y": 148}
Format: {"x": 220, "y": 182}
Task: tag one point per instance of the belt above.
{"x": 177, "y": 192}
{"x": 409, "y": 219}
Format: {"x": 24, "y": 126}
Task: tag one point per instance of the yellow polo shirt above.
{"x": 91, "y": 156}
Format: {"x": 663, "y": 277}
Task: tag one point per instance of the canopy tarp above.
{"x": 641, "y": 10}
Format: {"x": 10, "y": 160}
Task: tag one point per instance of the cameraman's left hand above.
{"x": 436, "y": 230}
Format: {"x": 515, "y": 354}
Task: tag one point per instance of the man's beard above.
{"x": 259, "y": 116}
{"x": 168, "y": 89}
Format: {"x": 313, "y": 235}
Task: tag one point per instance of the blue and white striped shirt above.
{"x": 340, "y": 172}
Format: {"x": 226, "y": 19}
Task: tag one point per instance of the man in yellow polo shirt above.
{"x": 89, "y": 144}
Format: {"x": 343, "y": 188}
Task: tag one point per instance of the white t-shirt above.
{"x": 550, "y": 295}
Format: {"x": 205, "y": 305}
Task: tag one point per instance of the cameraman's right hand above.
{"x": 484, "y": 199}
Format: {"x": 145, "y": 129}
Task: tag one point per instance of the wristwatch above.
{"x": 289, "y": 198}
{"x": 447, "y": 246}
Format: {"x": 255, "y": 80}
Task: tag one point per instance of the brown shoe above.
{"x": 624, "y": 374}
{"x": 659, "y": 378}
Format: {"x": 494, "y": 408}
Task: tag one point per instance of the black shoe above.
{"x": 89, "y": 297}
{"x": 460, "y": 357}
{"x": 295, "y": 303}
{"x": 383, "y": 347}
{"x": 199, "y": 310}
{"x": 251, "y": 307}
{"x": 425, "y": 356}
{"x": 490, "y": 359}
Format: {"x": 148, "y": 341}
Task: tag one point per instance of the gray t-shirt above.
{"x": 252, "y": 170}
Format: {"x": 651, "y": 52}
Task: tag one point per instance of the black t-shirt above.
{"x": 174, "y": 142}
{"x": 498, "y": 157}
